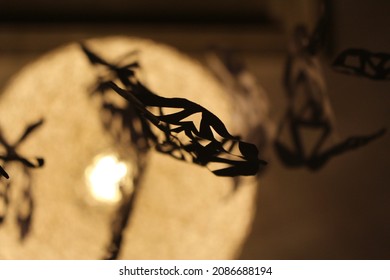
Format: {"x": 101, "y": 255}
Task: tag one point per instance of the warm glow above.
{"x": 104, "y": 177}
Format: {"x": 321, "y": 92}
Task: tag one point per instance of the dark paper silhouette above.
{"x": 209, "y": 144}
{"x": 25, "y": 204}
{"x": 363, "y": 63}
{"x": 309, "y": 107}
{"x": 131, "y": 127}
{"x": 204, "y": 146}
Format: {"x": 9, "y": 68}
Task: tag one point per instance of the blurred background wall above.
{"x": 339, "y": 212}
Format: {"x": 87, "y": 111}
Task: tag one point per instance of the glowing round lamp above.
{"x": 182, "y": 210}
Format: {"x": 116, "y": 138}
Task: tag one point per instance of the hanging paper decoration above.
{"x": 26, "y": 204}
{"x": 204, "y": 145}
{"x": 363, "y": 63}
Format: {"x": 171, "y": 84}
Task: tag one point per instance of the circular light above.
{"x": 105, "y": 177}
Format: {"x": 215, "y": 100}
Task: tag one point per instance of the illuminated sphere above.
{"x": 182, "y": 211}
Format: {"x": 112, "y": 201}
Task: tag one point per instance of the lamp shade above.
{"x": 182, "y": 210}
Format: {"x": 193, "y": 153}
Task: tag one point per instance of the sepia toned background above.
{"x": 339, "y": 212}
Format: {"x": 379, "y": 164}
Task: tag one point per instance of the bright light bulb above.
{"x": 104, "y": 178}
